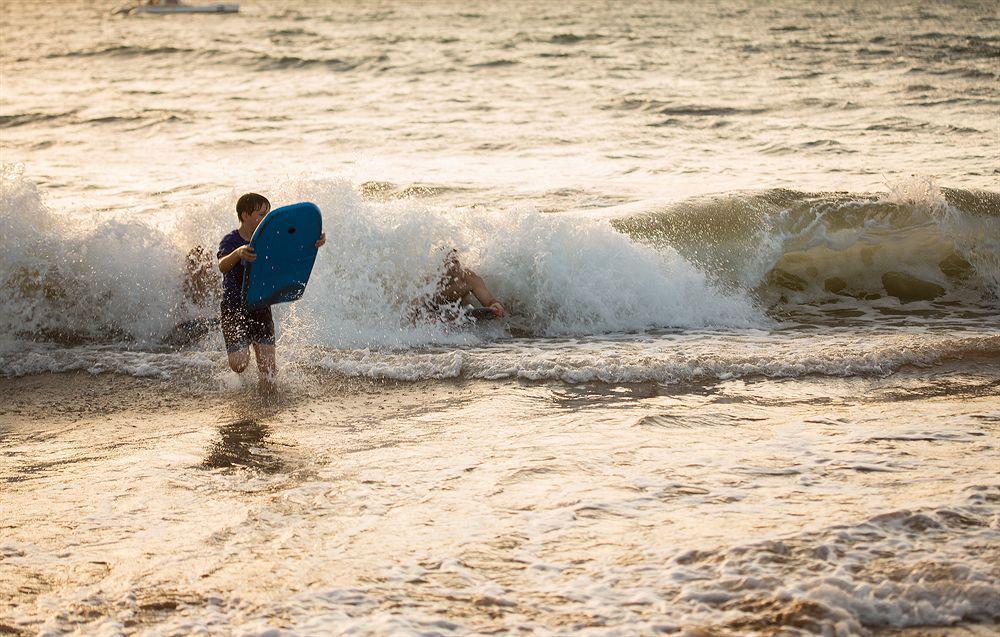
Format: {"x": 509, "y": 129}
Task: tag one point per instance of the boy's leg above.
{"x": 234, "y": 332}
{"x": 261, "y": 332}
{"x": 266, "y": 364}
{"x": 238, "y": 360}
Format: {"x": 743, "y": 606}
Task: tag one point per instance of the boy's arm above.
{"x": 478, "y": 287}
{"x": 229, "y": 261}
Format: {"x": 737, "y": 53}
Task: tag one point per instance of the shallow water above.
{"x": 743, "y": 507}
{"x": 748, "y": 382}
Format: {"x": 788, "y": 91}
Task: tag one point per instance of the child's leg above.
{"x": 238, "y": 360}
{"x": 265, "y": 360}
{"x": 261, "y": 331}
{"x": 233, "y": 321}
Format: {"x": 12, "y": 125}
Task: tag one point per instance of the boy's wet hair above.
{"x": 444, "y": 250}
{"x": 251, "y": 202}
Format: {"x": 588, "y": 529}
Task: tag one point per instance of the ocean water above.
{"x": 751, "y": 255}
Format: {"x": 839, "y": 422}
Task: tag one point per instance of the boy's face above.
{"x": 253, "y": 219}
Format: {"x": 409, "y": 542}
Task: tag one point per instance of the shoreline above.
{"x": 479, "y": 503}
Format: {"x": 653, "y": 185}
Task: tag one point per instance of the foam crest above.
{"x": 570, "y": 275}
{"x": 73, "y": 277}
{"x": 70, "y": 278}
{"x": 557, "y": 274}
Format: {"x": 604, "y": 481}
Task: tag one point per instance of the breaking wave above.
{"x": 108, "y": 292}
{"x": 915, "y": 242}
{"x": 77, "y": 278}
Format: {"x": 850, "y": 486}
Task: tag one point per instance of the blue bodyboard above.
{"x": 285, "y": 244}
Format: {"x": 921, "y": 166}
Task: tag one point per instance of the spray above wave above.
{"x": 916, "y": 242}
{"x": 70, "y": 278}
{"x": 557, "y": 275}
{"x": 67, "y": 279}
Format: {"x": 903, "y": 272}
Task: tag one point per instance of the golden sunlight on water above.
{"x": 495, "y": 506}
{"x": 745, "y": 381}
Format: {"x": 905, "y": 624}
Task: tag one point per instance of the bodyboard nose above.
{"x": 285, "y": 244}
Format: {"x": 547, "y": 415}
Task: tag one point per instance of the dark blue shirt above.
{"x": 232, "y": 281}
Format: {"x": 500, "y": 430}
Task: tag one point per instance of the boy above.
{"x": 455, "y": 286}
{"x": 242, "y": 326}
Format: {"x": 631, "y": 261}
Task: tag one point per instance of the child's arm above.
{"x": 479, "y": 289}
{"x": 229, "y": 261}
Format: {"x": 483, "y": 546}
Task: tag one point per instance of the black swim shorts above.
{"x": 242, "y": 326}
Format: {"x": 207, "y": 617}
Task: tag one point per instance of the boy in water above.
{"x": 241, "y": 325}
{"x": 457, "y": 285}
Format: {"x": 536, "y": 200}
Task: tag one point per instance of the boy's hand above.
{"x": 247, "y": 253}
{"x": 322, "y": 239}
{"x": 497, "y": 308}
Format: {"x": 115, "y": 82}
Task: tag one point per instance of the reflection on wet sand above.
{"x": 495, "y": 507}
{"x": 244, "y": 443}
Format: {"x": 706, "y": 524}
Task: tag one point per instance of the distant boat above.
{"x": 167, "y": 6}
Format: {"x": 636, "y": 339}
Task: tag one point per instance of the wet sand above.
{"x": 143, "y": 506}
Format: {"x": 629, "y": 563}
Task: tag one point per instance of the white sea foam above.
{"x": 708, "y": 358}
{"x": 939, "y": 574}
{"x": 827, "y": 581}
{"x": 558, "y": 274}
{"x": 99, "y": 279}
{"x": 71, "y": 275}
{"x": 105, "y": 292}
